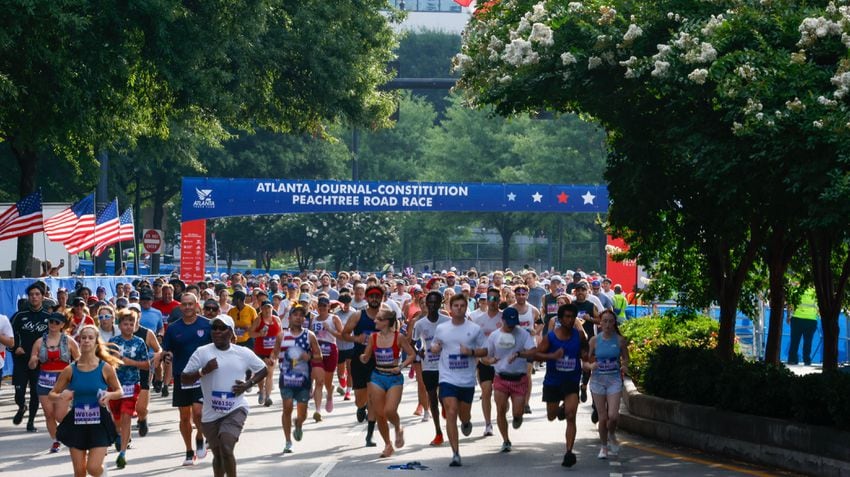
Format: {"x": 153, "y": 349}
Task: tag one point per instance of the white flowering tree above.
{"x": 727, "y": 123}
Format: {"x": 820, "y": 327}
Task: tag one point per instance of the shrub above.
{"x": 678, "y": 373}
{"x": 754, "y": 388}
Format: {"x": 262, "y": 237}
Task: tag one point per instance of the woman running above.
{"x": 78, "y": 317}
{"x": 88, "y": 429}
{"x": 386, "y": 383}
{"x": 344, "y": 348}
{"x": 264, "y": 330}
{"x": 55, "y": 350}
{"x": 295, "y": 348}
{"x": 609, "y": 358}
{"x": 328, "y": 328}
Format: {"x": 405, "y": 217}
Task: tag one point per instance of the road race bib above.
{"x": 293, "y": 380}
{"x": 240, "y": 332}
{"x": 268, "y": 342}
{"x": 128, "y": 390}
{"x": 552, "y": 308}
{"x": 607, "y": 364}
{"x": 458, "y": 361}
{"x": 222, "y": 401}
{"x": 86, "y": 414}
{"x": 384, "y": 356}
{"x": 431, "y": 357}
{"x": 325, "y": 347}
{"x": 565, "y": 364}
{"x": 47, "y": 380}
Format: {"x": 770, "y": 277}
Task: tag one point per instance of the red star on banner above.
{"x": 562, "y": 197}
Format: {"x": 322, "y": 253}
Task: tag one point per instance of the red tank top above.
{"x": 264, "y": 345}
{"x": 53, "y": 362}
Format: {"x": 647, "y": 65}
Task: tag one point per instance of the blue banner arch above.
{"x": 210, "y": 198}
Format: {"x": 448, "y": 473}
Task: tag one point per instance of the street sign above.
{"x": 152, "y": 240}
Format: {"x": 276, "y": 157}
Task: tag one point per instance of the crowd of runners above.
{"x": 91, "y": 361}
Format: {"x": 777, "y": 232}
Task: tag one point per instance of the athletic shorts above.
{"x": 329, "y": 361}
{"x": 386, "y": 381}
{"x": 185, "y": 397}
{"x": 144, "y": 379}
{"x": 605, "y": 384}
{"x": 299, "y": 395}
{"x": 230, "y": 424}
{"x": 461, "y": 394}
{"x": 50, "y": 380}
{"x": 512, "y": 387}
{"x": 125, "y": 405}
{"x": 344, "y": 355}
{"x": 557, "y": 393}
{"x": 485, "y": 372}
{"x": 360, "y": 373}
{"x": 431, "y": 379}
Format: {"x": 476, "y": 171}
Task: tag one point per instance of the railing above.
{"x": 448, "y": 6}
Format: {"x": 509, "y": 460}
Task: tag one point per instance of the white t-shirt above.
{"x": 217, "y": 386}
{"x": 401, "y": 298}
{"x": 5, "y": 330}
{"x": 359, "y": 305}
{"x": 502, "y": 346}
{"x": 457, "y": 369}
{"x": 424, "y": 331}
{"x": 487, "y": 324}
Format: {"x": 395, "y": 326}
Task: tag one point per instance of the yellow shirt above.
{"x": 242, "y": 320}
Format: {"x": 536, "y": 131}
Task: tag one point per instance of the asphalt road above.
{"x": 334, "y": 447}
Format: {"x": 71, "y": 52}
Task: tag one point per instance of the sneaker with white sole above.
{"x": 426, "y": 416}
{"x": 466, "y": 429}
{"x": 488, "y": 430}
{"x": 200, "y": 449}
{"x": 603, "y": 453}
{"x": 190, "y": 459}
{"x": 506, "y": 446}
{"x": 287, "y": 449}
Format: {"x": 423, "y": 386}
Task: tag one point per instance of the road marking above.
{"x": 324, "y": 469}
{"x": 614, "y": 463}
{"x": 695, "y": 460}
{"x": 615, "y": 474}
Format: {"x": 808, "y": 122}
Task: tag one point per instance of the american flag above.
{"x": 73, "y": 224}
{"x": 127, "y": 230}
{"x": 107, "y": 228}
{"x": 23, "y": 218}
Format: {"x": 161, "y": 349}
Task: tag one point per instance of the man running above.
{"x": 221, "y": 369}
{"x": 458, "y": 342}
{"x": 28, "y": 325}
{"x": 428, "y": 364}
{"x": 489, "y": 319}
{"x": 345, "y": 348}
{"x": 183, "y": 338}
{"x": 528, "y": 317}
{"x": 133, "y": 352}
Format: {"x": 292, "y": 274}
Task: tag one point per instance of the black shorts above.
{"x": 144, "y": 379}
{"x": 344, "y": 355}
{"x": 485, "y": 372}
{"x": 361, "y": 373}
{"x": 431, "y": 380}
{"x": 557, "y": 393}
{"x": 185, "y": 397}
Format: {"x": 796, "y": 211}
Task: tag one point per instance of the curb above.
{"x": 801, "y": 448}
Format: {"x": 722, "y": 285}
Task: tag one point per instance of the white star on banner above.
{"x": 537, "y": 197}
{"x": 511, "y": 197}
{"x": 588, "y": 198}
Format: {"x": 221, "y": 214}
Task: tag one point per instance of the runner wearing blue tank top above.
{"x": 564, "y": 350}
{"x": 609, "y": 357}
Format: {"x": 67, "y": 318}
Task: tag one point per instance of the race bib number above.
{"x": 47, "y": 380}
{"x": 552, "y": 309}
{"x": 128, "y": 390}
{"x": 293, "y": 380}
{"x": 325, "y": 347}
{"x": 240, "y": 332}
{"x": 86, "y": 414}
{"x": 222, "y": 401}
{"x": 607, "y": 364}
{"x": 384, "y": 356}
{"x": 458, "y": 361}
{"x": 565, "y": 364}
{"x": 268, "y": 342}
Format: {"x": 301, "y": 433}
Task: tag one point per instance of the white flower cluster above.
{"x": 494, "y": 47}
{"x": 830, "y": 103}
{"x": 606, "y": 15}
{"x": 817, "y": 124}
{"x": 746, "y": 71}
{"x": 568, "y": 59}
{"x": 675, "y": 17}
{"x": 630, "y": 64}
{"x": 541, "y": 34}
{"x": 575, "y": 7}
{"x": 795, "y": 106}
{"x": 753, "y": 107}
{"x": 460, "y": 62}
{"x": 632, "y": 34}
{"x": 594, "y": 62}
{"x": 842, "y": 81}
{"x": 712, "y": 24}
{"x": 813, "y": 28}
{"x": 698, "y": 76}
{"x": 538, "y": 12}
{"x": 705, "y": 53}
{"x": 798, "y": 57}
{"x": 519, "y": 53}
{"x": 661, "y": 70}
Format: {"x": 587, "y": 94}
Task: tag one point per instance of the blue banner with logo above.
{"x": 208, "y": 198}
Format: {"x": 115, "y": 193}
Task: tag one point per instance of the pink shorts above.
{"x": 516, "y": 388}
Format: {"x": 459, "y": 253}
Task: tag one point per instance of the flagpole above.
{"x": 43, "y": 233}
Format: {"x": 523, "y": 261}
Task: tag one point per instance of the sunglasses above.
{"x": 54, "y": 322}
{"x": 210, "y": 308}
{"x": 104, "y": 317}
{"x": 220, "y": 328}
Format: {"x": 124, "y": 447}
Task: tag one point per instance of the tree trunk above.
{"x": 28, "y": 165}
{"x": 829, "y": 289}
{"x": 780, "y": 250}
{"x": 728, "y": 313}
{"x": 158, "y": 213}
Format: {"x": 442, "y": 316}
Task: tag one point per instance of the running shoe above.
{"x": 455, "y": 461}
{"x": 569, "y": 459}
{"x": 347, "y": 396}
{"x": 488, "y": 430}
{"x": 340, "y": 391}
{"x": 506, "y": 446}
{"x": 165, "y": 391}
{"x": 31, "y": 427}
{"x": 562, "y": 412}
{"x": 298, "y": 433}
{"x": 200, "y": 449}
{"x": 317, "y": 416}
{"x": 613, "y": 445}
{"x": 267, "y": 402}
{"x": 438, "y": 440}
{"x": 260, "y": 399}
{"x": 527, "y": 409}
{"x": 426, "y": 416}
{"x": 55, "y": 447}
{"x": 594, "y": 416}
{"x": 517, "y": 422}
{"x": 361, "y": 414}
{"x": 19, "y": 416}
{"x": 190, "y": 459}
{"x": 117, "y": 443}
{"x": 411, "y": 373}
{"x": 370, "y": 443}
{"x": 157, "y": 386}
{"x": 287, "y": 449}
{"x": 143, "y": 428}
{"x": 329, "y": 406}
{"x": 582, "y": 395}
{"x": 466, "y": 428}
{"x": 603, "y": 453}
{"x": 121, "y": 461}
{"x": 418, "y": 411}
